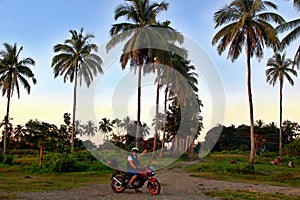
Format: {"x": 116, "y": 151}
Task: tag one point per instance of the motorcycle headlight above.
{"x": 152, "y": 170}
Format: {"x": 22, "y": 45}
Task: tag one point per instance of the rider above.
{"x": 133, "y": 163}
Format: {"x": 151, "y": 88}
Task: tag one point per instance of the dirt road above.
{"x": 175, "y": 186}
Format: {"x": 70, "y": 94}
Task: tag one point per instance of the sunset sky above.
{"x": 39, "y": 25}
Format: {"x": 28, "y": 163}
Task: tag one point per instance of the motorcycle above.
{"x": 120, "y": 180}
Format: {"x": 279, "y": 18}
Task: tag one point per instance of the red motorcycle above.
{"x": 120, "y": 180}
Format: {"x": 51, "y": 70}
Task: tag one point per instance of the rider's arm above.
{"x": 143, "y": 153}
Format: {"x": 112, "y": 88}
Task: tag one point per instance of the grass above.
{"x": 219, "y": 167}
{"x": 24, "y": 182}
{"x": 245, "y": 195}
{"x": 24, "y": 175}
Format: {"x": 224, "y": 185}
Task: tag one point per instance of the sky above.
{"x": 39, "y": 25}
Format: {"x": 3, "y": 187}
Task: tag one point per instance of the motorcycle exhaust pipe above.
{"x": 118, "y": 180}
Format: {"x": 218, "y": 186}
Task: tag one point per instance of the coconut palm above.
{"x": 89, "y": 129}
{"x": 14, "y": 72}
{"x": 79, "y": 128}
{"x": 246, "y": 24}
{"x": 294, "y": 28}
{"x": 280, "y": 69}
{"x": 76, "y": 59}
{"x": 106, "y": 127}
{"x": 140, "y": 14}
{"x": 19, "y": 133}
{"x": 163, "y": 56}
{"x": 127, "y": 124}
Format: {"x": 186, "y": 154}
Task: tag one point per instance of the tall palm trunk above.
{"x": 280, "y": 120}
{"x": 137, "y": 134}
{"x": 252, "y": 151}
{"x": 6, "y": 123}
{"x": 165, "y": 123}
{"x": 156, "y": 112}
{"x": 74, "y": 111}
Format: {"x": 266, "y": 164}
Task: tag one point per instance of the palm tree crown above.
{"x": 14, "y": 71}
{"x": 246, "y": 25}
{"x": 76, "y": 58}
{"x": 294, "y": 28}
{"x": 280, "y": 68}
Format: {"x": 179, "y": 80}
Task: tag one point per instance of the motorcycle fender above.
{"x": 114, "y": 174}
{"x": 152, "y": 180}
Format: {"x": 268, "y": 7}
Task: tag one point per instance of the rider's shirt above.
{"x": 135, "y": 160}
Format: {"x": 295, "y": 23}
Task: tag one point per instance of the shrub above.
{"x": 293, "y": 149}
{"x": 65, "y": 163}
{"x": 243, "y": 169}
{"x": 8, "y": 159}
{"x": 1, "y": 157}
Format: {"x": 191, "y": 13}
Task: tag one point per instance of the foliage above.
{"x": 79, "y": 162}
{"x": 7, "y": 159}
{"x": 237, "y": 138}
{"x": 293, "y": 149}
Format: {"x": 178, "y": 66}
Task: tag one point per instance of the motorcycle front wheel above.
{"x": 118, "y": 186}
{"x": 154, "y": 187}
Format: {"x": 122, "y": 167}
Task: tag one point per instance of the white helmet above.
{"x": 135, "y": 149}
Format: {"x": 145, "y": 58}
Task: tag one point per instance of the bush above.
{"x": 293, "y": 149}
{"x": 243, "y": 169}
{"x": 65, "y": 164}
{"x": 8, "y": 159}
{"x": 1, "y": 157}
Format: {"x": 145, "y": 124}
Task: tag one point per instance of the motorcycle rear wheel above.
{"x": 116, "y": 186}
{"x": 154, "y": 187}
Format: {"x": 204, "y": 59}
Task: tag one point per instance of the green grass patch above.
{"x": 28, "y": 182}
{"x": 221, "y": 167}
{"x": 58, "y": 172}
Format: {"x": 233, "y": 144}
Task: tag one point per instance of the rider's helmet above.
{"x": 135, "y": 149}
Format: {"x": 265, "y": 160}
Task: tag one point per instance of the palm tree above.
{"x": 246, "y": 25}
{"x": 76, "y": 60}
{"x": 89, "y": 129}
{"x": 294, "y": 26}
{"x": 260, "y": 123}
{"x": 13, "y": 72}
{"x": 140, "y": 14}
{"x": 164, "y": 56}
{"x": 106, "y": 127}
{"x": 127, "y": 124}
{"x": 279, "y": 69}
{"x": 19, "y": 134}
{"x": 79, "y": 128}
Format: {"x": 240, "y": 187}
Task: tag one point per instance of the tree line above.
{"x": 266, "y": 137}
